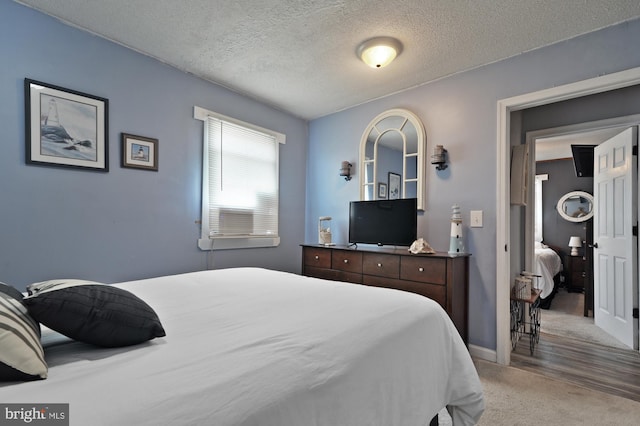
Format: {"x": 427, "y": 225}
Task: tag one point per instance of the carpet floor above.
{"x": 515, "y": 397}
{"x": 518, "y": 397}
{"x": 565, "y": 318}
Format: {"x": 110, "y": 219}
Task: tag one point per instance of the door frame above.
{"x": 503, "y": 235}
{"x": 531, "y": 137}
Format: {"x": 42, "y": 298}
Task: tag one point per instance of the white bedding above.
{"x": 249, "y": 346}
{"x": 548, "y": 264}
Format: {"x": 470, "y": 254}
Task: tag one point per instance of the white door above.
{"x": 615, "y": 249}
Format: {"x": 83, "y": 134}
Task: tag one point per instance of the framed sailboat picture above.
{"x": 65, "y": 128}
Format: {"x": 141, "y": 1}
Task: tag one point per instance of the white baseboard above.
{"x": 483, "y": 353}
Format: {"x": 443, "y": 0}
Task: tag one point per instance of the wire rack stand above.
{"x": 525, "y": 316}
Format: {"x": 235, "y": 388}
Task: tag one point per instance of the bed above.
{"x": 250, "y": 346}
{"x": 548, "y": 265}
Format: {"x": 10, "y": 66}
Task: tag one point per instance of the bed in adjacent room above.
{"x": 250, "y": 346}
{"x": 548, "y": 264}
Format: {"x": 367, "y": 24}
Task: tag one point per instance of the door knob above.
{"x": 594, "y": 245}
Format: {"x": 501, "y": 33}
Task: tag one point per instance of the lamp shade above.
{"x": 575, "y": 242}
{"x": 379, "y": 52}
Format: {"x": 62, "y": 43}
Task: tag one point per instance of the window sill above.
{"x": 230, "y": 243}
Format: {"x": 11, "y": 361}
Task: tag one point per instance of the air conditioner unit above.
{"x": 235, "y": 222}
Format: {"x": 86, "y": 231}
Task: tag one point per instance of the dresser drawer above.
{"x": 424, "y": 269}
{"x": 320, "y": 258}
{"x": 382, "y": 265}
{"x": 432, "y": 291}
{"x": 333, "y": 275}
{"x": 349, "y": 261}
{"x": 578, "y": 278}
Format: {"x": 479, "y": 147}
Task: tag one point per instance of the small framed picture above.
{"x": 65, "y": 128}
{"x": 139, "y": 152}
{"x": 382, "y": 190}
{"x": 394, "y": 186}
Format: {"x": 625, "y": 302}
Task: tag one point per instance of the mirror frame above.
{"x": 565, "y": 197}
{"x": 421, "y": 148}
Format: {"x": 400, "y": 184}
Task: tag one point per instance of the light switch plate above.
{"x": 476, "y": 218}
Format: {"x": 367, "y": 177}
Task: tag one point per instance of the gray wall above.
{"x": 124, "y": 224}
{"x": 460, "y": 112}
{"x": 562, "y": 179}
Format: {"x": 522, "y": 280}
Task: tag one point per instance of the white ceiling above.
{"x": 299, "y": 55}
{"x": 559, "y": 147}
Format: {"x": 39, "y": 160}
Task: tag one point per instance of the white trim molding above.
{"x": 504, "y": 108}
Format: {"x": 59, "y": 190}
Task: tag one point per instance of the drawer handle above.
{"x": 421, "y": 269}
{"x": 379, "y": 265}
{"x": 346, "y": 261}
{"x": 317, "y": 257}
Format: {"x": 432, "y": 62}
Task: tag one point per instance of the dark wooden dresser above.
{"x": 440, "y": 276}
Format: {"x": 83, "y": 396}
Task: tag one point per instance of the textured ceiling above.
{"x": 299, "y": 55}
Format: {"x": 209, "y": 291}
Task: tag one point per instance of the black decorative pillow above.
{"x": 21, "y": 354}
{"x": 91, "y": 312}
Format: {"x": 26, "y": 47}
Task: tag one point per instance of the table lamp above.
{"x": 575, "y": 243}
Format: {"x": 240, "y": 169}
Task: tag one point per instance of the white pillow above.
{"x": 21, "y": 354}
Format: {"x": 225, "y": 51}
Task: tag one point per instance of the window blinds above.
{"x": 242, "y": 180}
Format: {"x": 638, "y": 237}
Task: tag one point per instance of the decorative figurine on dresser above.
{"x": 456, "y": 244}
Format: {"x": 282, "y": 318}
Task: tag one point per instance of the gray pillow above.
{"x": 94, "y": 313}
{"x": 21, "y": 354}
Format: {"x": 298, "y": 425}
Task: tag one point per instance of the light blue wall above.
{"x": 124, "y": 224}
{"x": 459, "y": 112}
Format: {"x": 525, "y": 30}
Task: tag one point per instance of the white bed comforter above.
{"x": 250, "y": 346}
{"x": 548, "y": 264}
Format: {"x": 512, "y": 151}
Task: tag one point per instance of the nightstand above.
{"x": 576, "y": 273}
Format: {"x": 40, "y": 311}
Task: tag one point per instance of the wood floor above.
{"x": 606, "y": 369}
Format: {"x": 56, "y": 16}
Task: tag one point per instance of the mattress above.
{"x": 250, "y": 346}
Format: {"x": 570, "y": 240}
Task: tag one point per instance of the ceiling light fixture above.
{"x": 379, "y": 51}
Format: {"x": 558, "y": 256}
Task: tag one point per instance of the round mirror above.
{"x": 391, "y": 156}
{"x": 576, "y": 206}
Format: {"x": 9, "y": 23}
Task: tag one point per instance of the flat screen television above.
{"x": 383, "y": 222}
{"x": 583, "y": 159}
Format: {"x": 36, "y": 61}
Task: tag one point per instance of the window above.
{"x": 538, "y": 207}
{"x": 239, "y": 183}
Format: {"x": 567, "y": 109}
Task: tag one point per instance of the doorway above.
{"x": 569, "y": 311}
{"x": 504, "y": 247}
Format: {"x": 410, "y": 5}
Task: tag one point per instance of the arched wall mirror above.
{"x": 576, "y": 206}
{"x": 392, "y": 157}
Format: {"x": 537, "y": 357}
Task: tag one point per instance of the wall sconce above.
{"x": 345, "y": 170}
{"x": 378, "y": 52}
{"x": 575, "y": 243}
{"x": 439, "y": 157}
